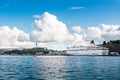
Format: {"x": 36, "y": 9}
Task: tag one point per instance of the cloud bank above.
{"x": 47, "y": 28}
{"x": 103, "y": 32}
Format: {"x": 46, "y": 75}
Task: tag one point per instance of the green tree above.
{"x": 104, "y": 43}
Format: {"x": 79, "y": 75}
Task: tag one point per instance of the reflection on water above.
{"x": 59, "y": 68}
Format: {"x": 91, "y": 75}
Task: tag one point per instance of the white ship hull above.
{"x": 87, "y": 51}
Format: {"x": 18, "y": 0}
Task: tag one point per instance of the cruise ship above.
{"x": 92, "y": 49}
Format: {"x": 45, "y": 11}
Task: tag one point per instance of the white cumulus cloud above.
{"x": 103, "y": 32}
{"x": 94, "y": 33}
{"x": 13, "y": 37}
{"x": 49, "y": 28}
{"x": 23, "y": 36}
{"x": 110, "y": 32}
{"x": 77, "y": 29}
{"x": 78, "y": 40}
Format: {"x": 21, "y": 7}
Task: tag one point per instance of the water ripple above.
{"x": 59, "y": 68}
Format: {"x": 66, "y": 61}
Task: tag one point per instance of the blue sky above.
{"x": 19, "y": 12}
{"x": 79, "y": 15}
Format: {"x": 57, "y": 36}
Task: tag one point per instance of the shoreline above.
{"x": 59, "y": 55}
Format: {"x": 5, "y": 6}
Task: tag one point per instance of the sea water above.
{"x": 59, "y": 68}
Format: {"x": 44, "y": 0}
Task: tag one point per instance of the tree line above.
{"x": 113, "y": 45}
{"x": 31, "y": 51}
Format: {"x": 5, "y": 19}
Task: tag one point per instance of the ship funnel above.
{"x": 92, "y": 42}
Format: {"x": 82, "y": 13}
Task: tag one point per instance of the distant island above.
{"x": 113, "y": 45}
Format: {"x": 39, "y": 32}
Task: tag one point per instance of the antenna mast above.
{"x": 36, "y": 44}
